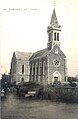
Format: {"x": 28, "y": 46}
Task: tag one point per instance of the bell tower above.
{"x": 53, "y": 31}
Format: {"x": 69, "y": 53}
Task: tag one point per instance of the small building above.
{"x": 44, "y": 66}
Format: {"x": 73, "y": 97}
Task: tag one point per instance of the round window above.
{"x": 56, "y": 63}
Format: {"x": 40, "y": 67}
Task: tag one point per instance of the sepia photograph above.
{"x": 39, "y": 59}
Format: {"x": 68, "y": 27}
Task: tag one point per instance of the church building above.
{"x": 49, "y": 64}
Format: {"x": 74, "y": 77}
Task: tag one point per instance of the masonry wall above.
{"x": 13, "y": 70}
{"x": 16, "y": 70}
{"x": 25, "y": 75}
{"x": 39, "y": 70}
{"x": 51, "y": 68}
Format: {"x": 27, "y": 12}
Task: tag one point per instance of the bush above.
{"x": 62, "y": 93}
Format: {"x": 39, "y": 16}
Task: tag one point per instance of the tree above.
{"x": 72, "y": 81}
{"x": 5, "y": 82}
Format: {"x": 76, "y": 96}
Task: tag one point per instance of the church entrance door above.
{"x": 56, "y": 76}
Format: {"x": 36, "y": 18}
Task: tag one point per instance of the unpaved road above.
{"x": 14, "y": 107}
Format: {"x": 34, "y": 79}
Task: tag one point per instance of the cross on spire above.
{"x": 54, "y": 20}
{"x": 54, "y": 4}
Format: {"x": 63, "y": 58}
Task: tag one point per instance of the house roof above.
{"x": 22, "y": 55}
{"x": 40, "y": 53}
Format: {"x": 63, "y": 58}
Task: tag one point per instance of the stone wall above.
{"x": 59, "y": 69}
{"x": 39, "y": 70}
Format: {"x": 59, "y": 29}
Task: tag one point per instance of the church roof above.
{"x": 22, "y": 55}
{"x": 54, "y": 20}
{"x": 39, "y": 54}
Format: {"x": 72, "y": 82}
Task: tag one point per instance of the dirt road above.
{"x": 14, "y": 107}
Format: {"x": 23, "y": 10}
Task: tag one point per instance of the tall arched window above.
{"x": 49, "y": 36}
{"x": 55, "y": 36}
{"x": 22, "y": 69}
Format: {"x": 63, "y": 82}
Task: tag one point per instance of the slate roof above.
{"x": 22, "y": 55}
{"x": 54, "y": 20}
{"x": 45, "y": 52}
{"x": 40, "y": 53}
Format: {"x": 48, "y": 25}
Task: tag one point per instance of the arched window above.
{"x": 55, "y": 36}
{"x": 22, "y": 69}
{"x": 49, "y": 36}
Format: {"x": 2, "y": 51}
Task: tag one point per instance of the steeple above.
{"x": 54, "y": 20}
{"x": 53, "y": 31}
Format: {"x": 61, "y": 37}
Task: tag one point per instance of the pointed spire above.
{"x": 54, "y": 20}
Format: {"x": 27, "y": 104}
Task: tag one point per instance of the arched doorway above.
{"x": 56, "y": 76}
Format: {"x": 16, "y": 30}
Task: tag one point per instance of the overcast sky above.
{"x": 23, "y": 27}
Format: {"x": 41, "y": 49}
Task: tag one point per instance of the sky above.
{"x": 23, "y": 27}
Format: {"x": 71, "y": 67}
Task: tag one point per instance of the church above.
{"x": 44, "y": 66}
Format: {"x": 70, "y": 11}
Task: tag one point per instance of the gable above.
{"x": 56, "y": 52}
{"x": 22, "y": 55}
{"x": 13, "y": 57}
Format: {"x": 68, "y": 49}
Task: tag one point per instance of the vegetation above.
{"x": 24, "y": 87}
{"x": 72, "y": 79}
{"x": 62, "y": 93}
{"x": 59, "y": 92}
{"x": 5, "y": 82}
{"x": 55, "y": 92}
